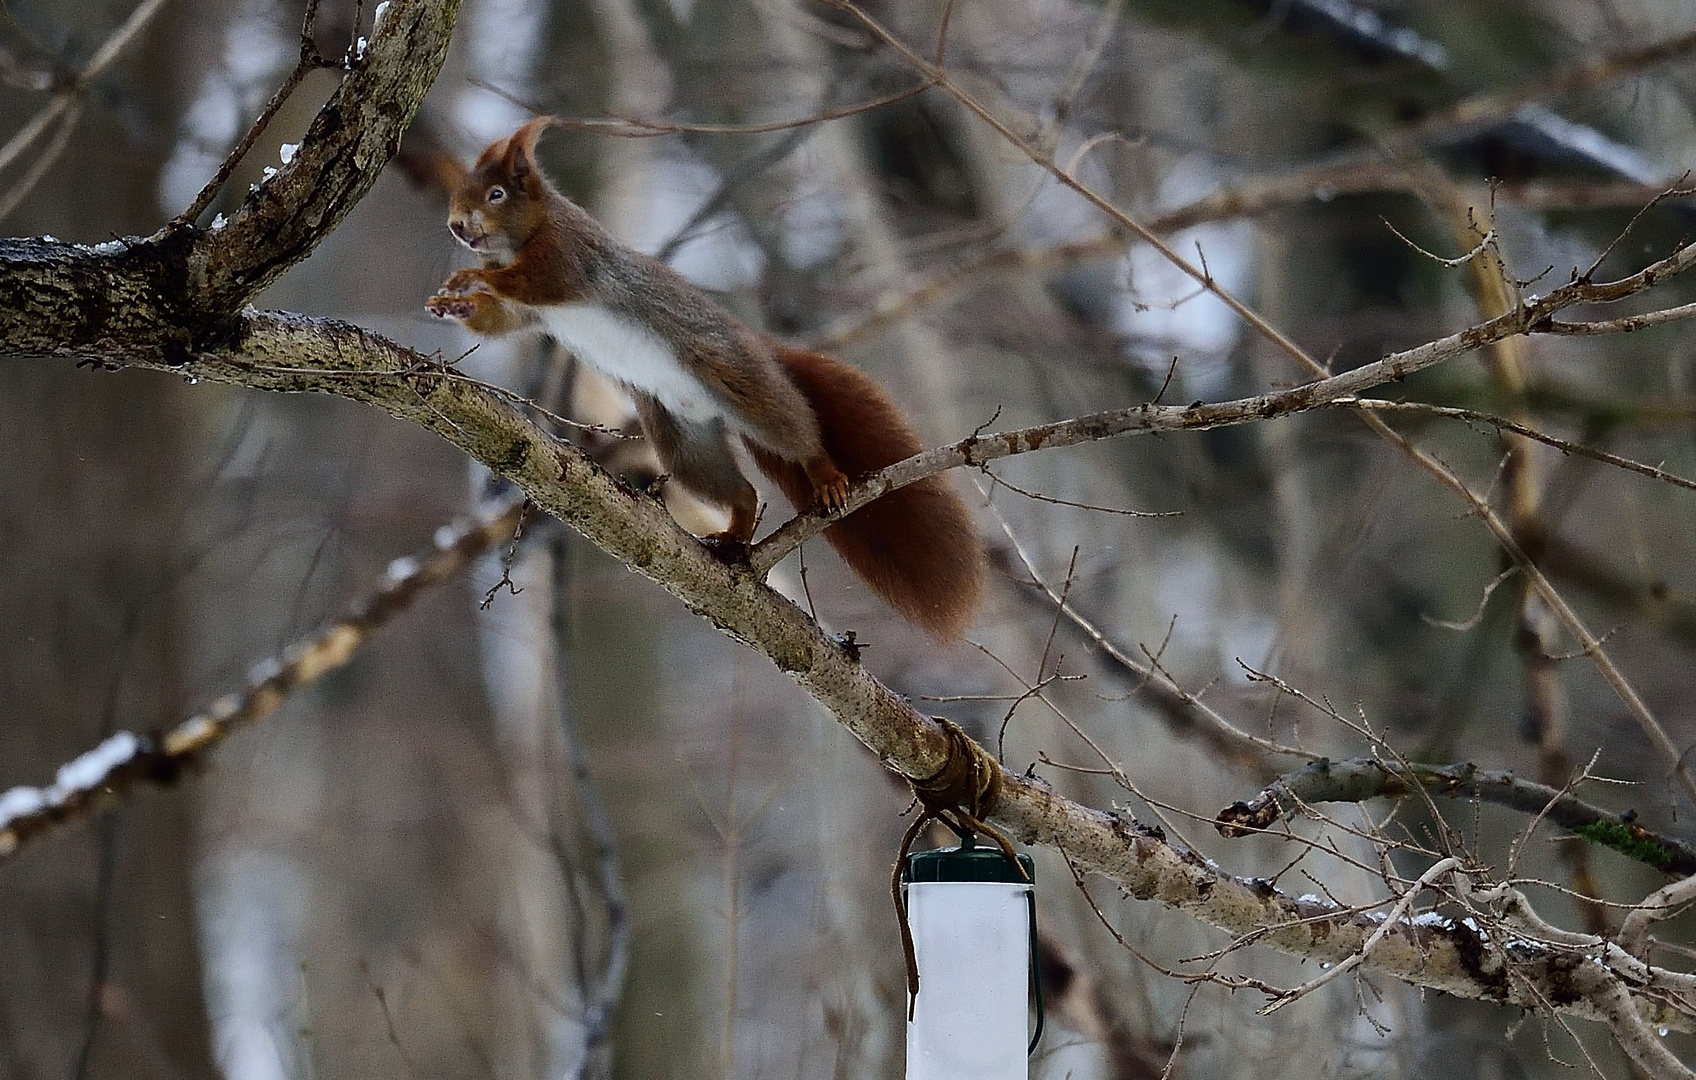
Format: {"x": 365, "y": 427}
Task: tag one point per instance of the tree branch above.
{"x": 101, "y": 778}
{"x": 1531, "y": 315}
{"x": 1359, "y": 779}
{"x": 172, "y": 301}
{"x": 292, "y": 353}
{"x": 165, "y": 296}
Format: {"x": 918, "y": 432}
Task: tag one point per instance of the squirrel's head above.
{"x": 501, "y": 201}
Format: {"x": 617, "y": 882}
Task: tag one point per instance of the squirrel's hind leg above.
{"x": 699, "y": 457}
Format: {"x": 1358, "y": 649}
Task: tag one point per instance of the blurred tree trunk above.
{"x": 101, "y": 952}
{"x": 102, "y": 969}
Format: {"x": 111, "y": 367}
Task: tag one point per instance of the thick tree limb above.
{"x": 161, "y": 297}
{"x": 345, "y": 148}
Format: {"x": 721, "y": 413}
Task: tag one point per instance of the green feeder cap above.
{"x": 967, "y": 864}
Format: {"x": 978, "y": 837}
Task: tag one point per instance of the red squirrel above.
{"x": 701, "y": 378}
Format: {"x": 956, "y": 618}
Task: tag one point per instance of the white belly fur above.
{"x": 623, "y": 349}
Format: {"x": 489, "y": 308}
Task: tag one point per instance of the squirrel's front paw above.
{"x": 459, "y": 307}
{"x": 461, "y": 281}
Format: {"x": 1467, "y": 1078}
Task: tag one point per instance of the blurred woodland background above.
{"x": 578, "y": 831}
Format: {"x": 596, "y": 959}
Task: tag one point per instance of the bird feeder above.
{"x": 972, "y": 912}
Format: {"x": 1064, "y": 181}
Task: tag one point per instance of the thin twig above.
{"x": 1483, "y": 245}
{"x": 47, "y": 159}
{"x": 65, "y": 108}
{"x": 1392, "y": 922}
{"x": 1161, "y": 690}
{"x": 1565, "y": 446}
{"x": 309, "y": 60}
{"x": 1625, "y": 324}
{"x": 1105, "y": 25}
{"x": 636, "y": 127}
{"x": 1590, "y": 645}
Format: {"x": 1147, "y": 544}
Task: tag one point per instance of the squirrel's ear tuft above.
{"x": 521, "y": 146}
{"x": 494, "y": 152}
{"x": 449, "y": 173}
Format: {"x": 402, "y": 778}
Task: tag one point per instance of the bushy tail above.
{"x": 915, "y": 546}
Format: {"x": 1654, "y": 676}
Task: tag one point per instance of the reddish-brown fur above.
{"x": 915, "y": 546}
{"x": 811, "y": 422}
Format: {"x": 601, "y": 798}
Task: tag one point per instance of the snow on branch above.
{"x": 101, "y": 777}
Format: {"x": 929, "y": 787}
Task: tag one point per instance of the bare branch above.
{"x": 1660, "y": 904}
{"x": 1359, "y": 779}
{"x": 1531, "y": 315}
{"x": 341, "y": 155}
{"x": 162, "y": 297}
{"x": 310, "y": 60}
{"x": 1565, "y": 446}
{"x": 1392, "y": 922}
{"x": 1484, "y": 243}
{"x": 63, "y": 110}
{"x": 1649, "y": 1052}
{"x": 105, "y": 775}
{"x": 1442, "y": 954}
{"x": 1625, "y": 324}
{"x": 1591, "y": 646}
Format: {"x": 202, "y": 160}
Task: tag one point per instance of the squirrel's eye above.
{"x": 496, "y": 194}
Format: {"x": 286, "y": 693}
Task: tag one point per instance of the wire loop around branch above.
{"x": 960, "y": 795}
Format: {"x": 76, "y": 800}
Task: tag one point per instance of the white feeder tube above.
{"x": 973, "y": 941}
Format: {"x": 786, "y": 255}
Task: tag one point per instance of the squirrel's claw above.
{"x": 830, "y": 485}
{"x": 451, "y": 307}
{"x": 833, "y": 494}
